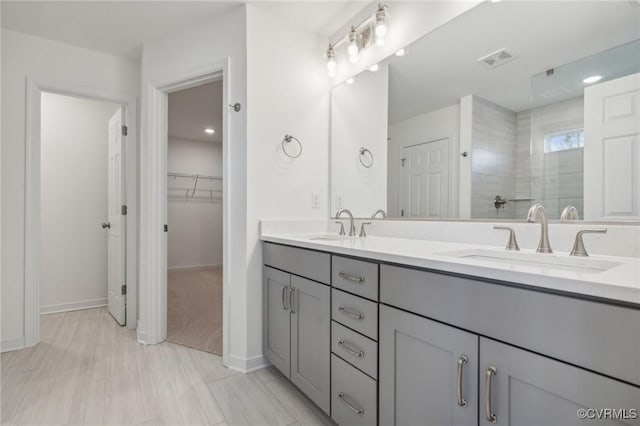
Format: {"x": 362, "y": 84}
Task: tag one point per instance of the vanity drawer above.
{"x": 306, "y": 263}
{"x": 355, "y": 276}
{"x": 355, "y": 312}
{"x": 597, "y": 336}
{"x": 358, "y": 350}
{"x": 353, "y": 395}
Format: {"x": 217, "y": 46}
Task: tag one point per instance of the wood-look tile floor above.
{"x": 89, "y": 370}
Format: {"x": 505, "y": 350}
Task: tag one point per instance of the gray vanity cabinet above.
{"x": 527, "y": 389}
{"x": 310, "y": 339}
{"x": 296, "y": 322}
{"x": 277, "y": 319}
{"x": 428, "y": 372}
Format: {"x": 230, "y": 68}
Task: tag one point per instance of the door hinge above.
{"x": 402, "y": 212}
{"x": 125, "y": 130}
{"x": 123, "y": 210}
{"x": 166, "y": 228}
{"x": 123, "y": 289}
{"x": 402, "y": 160}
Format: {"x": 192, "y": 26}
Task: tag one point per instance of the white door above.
{"x": 612, "y": 149}
{"x": 116, "y": 244}
{"x": 425, "y": 180}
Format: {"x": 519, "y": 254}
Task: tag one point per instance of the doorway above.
{"x": 82, "y": 188}
{"x": 195, "y": 216}
{"x": 425, "y": 180}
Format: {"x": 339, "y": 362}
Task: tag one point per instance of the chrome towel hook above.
{"x": 287, "y": 140}
{"x": 363, "y": 155}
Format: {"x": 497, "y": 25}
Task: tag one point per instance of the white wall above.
{"x": 74, "y": 142}
{"x": 26, "y": 56}
{"x": 359, "y": 119}
{"x": 439, "y": 124}
{"x": 195, "y": 221}
{"x": 189, "y": 52}
{"x": 288, "y": 92}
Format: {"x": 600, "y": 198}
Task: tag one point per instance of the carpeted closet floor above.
{"x": 194, "y": 309}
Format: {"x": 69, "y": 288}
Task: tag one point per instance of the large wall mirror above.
{"x": 511, "y": 104}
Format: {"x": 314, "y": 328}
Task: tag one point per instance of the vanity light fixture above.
{"x": 331, "y": 61}
{"x": 401, "y": 52}
{"x": 592, "y": 79}
{"x": 381, "y": 25}
{"x": 350, "y": 80}
{"x": 209, "y": 131}
{"x": 353, "y": 49}
{"x": 374, "y": 67}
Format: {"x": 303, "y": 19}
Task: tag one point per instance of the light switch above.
{"x": 339, "y": 200}
{"x": 315, "y": 200}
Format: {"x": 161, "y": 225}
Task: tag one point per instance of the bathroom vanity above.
{"x": 373, "y": 337}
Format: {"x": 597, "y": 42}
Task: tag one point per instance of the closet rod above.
{"x": 187, "y": 175}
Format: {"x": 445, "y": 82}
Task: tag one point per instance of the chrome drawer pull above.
{"x": 284, "y": 304}
{"x": 354, "y": 315}
{"x": 359, "y": 411}
{"x": 488, "y": 413}
{"x": 355, "y": 352}
{"x": 357, "y": 280}
{"x": 461, "y": 362}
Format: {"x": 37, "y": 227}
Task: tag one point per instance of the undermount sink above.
{"x": 562, "y": 262}
{"x": 331, "y": 237}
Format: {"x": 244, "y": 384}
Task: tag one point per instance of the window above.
{"x": 562, "y": 141}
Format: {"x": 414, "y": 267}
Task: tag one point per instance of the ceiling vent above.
{"x": 497, "y": 58}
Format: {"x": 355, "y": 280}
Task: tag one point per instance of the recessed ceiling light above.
{"x": 209, "y": 131}
{"x": 401, "y": 52}
{"x": 374, "y": 67}
{"x": 350, "y": 81}
{"x": 592, "y": 79}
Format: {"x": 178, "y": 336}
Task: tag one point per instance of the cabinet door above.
{"x": 310, "y": 340}
{"x": 420, "y": 361}
{"x": 531, "y": 390}
{"x": 276, "y": 319}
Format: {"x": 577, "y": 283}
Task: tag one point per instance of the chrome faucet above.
{"x": 569, "y": 213}
{"x": 352, "y": 225}
{"x": 543, "y": 246}
{"x": 381, "y": 212}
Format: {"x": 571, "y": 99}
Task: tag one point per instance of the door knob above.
{"x": 106, "y": 225}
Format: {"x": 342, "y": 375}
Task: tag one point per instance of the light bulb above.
{"x": 374, "y": 67}
{"x": 331, "y": 62}
{"x": 353, "y": 49}
{"x": 381, "y": 25}
{"x": 209, "y": 131}
{"x": 401, "y": 52}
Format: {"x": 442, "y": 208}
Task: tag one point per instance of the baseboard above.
{"x": 12, "y": 345}
{"x": 193, "y": 268}
{"x": 73, "y": 306}
{"x": 246, "y": 365}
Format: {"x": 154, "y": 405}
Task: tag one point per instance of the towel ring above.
{"x": 369, "y": 163}
{"x": 287, "y": 139}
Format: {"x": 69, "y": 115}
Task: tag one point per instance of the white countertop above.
{"x": 619, "y": 283}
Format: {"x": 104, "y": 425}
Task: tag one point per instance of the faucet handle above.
{"x": 341, "y": 228}
{"x": 578, "y": 245}
{"x": 363, "y": 232}
{"x": 512, "y": 244}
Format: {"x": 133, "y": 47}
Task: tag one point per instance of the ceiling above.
{"x": 441, "y": 67}
{"x": 120, "y": 27}
{"x": 195, "y": 109}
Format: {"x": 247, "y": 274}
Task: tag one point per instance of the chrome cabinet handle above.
{"x": 292, "y": 297}
{"x": 461, "y": 362}
{"x": 284, "y": 299}
{"x": 353, "y": 279}
{"x": 488, "y": 413}
{"x": 358, "y": 353}
{"x": 359, "y": 411}
{"x": 354, "y": 315}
